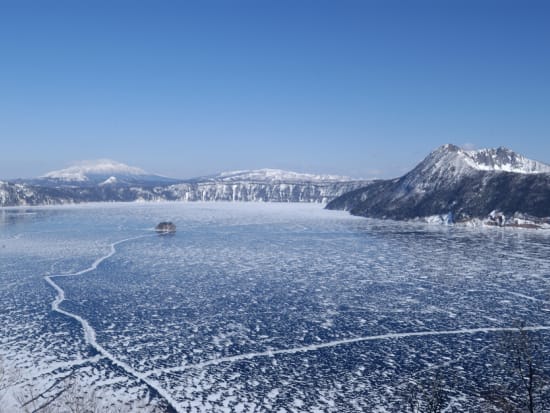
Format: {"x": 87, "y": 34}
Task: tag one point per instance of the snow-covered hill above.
{"x": 466, "y": 183}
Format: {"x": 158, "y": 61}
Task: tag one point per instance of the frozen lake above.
{"x": 260, "y": 307}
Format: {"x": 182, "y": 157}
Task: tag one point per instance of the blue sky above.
{"x": 186, "y": 88}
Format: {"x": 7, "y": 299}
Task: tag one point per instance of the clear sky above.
{"x": 186, "y": 88}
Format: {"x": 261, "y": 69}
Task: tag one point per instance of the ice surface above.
{"x": 261, "y": 307}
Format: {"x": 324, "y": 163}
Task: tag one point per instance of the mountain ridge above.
{"x": 108, "y": 181}
{"x": 269, "y": 174}
{"x": 489, "y": 159}
{"x": 467, "y": 184}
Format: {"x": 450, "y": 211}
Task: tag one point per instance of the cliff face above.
{"x": 14, "y": 194}
{"x": 260, "y": 191}
{"x": 466, "y": 183}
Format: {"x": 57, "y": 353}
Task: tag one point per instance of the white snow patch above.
{"x": 109, "y": 181}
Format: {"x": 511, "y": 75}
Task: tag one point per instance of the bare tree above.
{"x": 3, "y": 384}
{"x": 7, "y": 381}
{"x": 525, "y": 365}
{"x": 524, "y": 383}
{"x": 30, "y": 400}
{"x": 65, "y": 395}
{"x": 78, "y": 400}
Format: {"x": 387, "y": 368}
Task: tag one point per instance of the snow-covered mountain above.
{"x": 104, "y": 171}
{"x": 466, "y": 183}
{"x": 449, "y": 164}
{"x": 450, "y": 160}
{"x": 85, "y": 170}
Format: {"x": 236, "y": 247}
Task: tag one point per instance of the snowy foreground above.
{"x": 259, "y": 307}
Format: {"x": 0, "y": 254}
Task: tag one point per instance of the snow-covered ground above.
{"x": 258, "y": 307}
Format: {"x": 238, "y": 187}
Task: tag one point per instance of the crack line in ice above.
{"x": 314, "y": 347}
{"x": 89, "y": 332}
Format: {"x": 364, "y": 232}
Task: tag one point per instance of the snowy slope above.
{"x": 112, "y": 180}
{"x": 466, "y": 183}
{"x": 503, "y": 159}
{"x": 451, "y": 162}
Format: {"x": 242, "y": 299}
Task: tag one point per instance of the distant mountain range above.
{"x": 99, "y": 172}
{"x": 450, "y": 183}
{"x": 109, "y": 181}
{"x": 460, "y": 185}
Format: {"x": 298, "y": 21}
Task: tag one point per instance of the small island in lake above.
{"x": 166, "y": 227}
